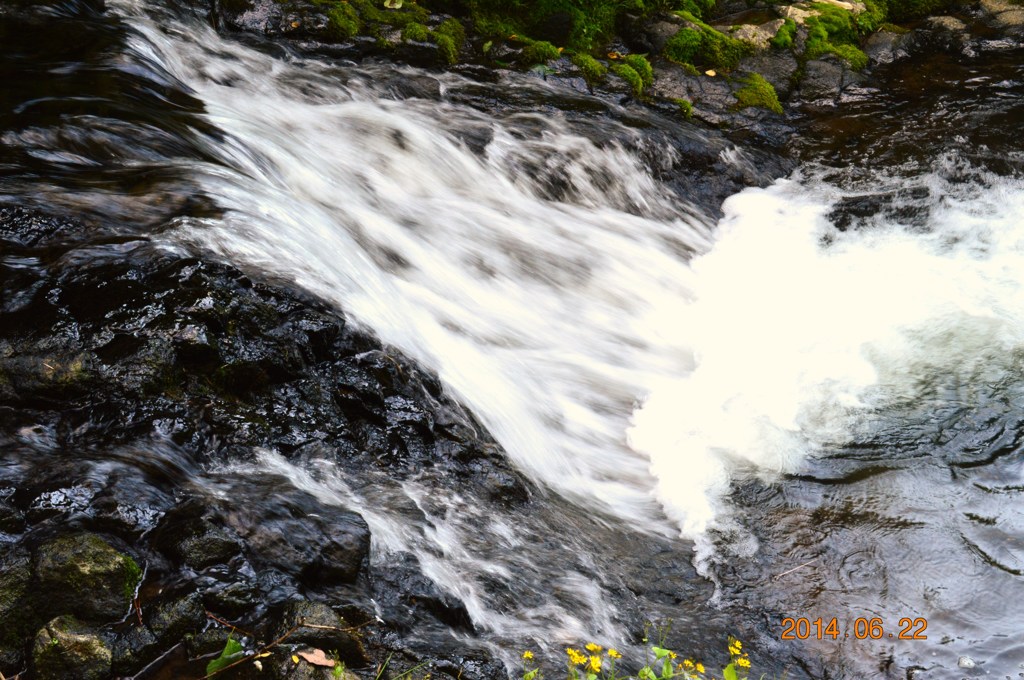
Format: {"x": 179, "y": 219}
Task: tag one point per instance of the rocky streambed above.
{"x": 128, "y": 373}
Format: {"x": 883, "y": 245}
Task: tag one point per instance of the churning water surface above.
{"x": 816, "y": 397}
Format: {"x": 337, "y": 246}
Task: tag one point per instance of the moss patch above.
{"x": 593, "y": 70}
{"x": 701, "y": 45}
{"x": 643, "y": 68}
{"x": 343, "y": 21}
{"x": 540, "y": 52}
{"x": 783, "y": 40}
{"x": 835, "y": 31}
{"x": 629, "y": 74}
{"x": 685, "y": 107}
{"x": 415, "y": 32}
{"x": 757, "y": 92}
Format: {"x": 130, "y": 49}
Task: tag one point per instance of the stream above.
{"x": 804, "y": 400}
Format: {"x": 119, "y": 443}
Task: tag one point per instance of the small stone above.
{"x": 966, "y": 662}
{"x": 947, "y": 23}
{"x": 67, "y": 649}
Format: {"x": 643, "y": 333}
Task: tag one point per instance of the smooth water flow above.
{"x": 804, "y": 383}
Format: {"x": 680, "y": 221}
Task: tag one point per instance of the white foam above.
{"x": 800, "y": 345}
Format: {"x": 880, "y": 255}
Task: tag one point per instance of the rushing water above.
{"x": 816, "y": 397}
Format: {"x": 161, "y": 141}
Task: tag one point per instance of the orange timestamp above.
{"x": 862, "y": 629}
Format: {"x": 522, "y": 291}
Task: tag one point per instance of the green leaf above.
{"x": 393, "y": 4}
{"x": 729, "y": 672}
{"x": 232, "y": 653}
{"x": 659, "y": 652}
{"x": 487, "y": 46}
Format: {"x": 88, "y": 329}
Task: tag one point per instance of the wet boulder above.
{"x": 83, "y": 575}
{"x": 298, "y": 535}
{"x": 67, "y": 649}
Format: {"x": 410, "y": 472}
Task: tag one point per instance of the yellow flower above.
{"x": 672, "y": 655}
{"x": 594, "y": 648}
{"x": 528, "y": 655}
{"x": 734, "y": 649}
{"x": 700, "y": 667}
{"x": 688, "y": 664}
{"x": 575, "y": 657}
{"x": 743, "y": 663}
{"x": 614, "y": 653}
{"x": 595, "y": 663}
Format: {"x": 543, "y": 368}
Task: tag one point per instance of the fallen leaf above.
{"x": 295, "y": 659}
{"x": 317, "y": 657}
{"x": 710, "y": 72}
{"x": 295, "y": 24}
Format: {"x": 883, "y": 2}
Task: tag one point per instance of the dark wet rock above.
{"x": 650, "y": 35}
{"x": 822, "y": 82}
{"x": 232, "y": 600}
{"x": 778, "y": 67}
{"x": 405, "y": 595}
{"x": 885, "y": 47}
{"x": 17, "y": 608}
{"x": 134, "y": 649}
{"x": 12, "y": 519}
{"x": 177, "y": 617}
{"x": 317, "y": 625}
{"x": 24, "y": 228}
{"x": 83, "y": 575}
{"x": 196, "y": 541}
{"x": 299, "y": 536}
{"x": 67, "y": 649}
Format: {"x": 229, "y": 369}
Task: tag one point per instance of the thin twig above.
{"x": 790, "y": 571}
{"x": 230, "y": 625}
{"x": 262, "y": 650}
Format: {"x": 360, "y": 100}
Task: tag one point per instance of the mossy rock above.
{"x": 83, "y": 575}
{"x": 67, "y": 649}
{"x": 629, "y": 74}
{"x": 758, "y": 92}
{"x": 593, "y": 70}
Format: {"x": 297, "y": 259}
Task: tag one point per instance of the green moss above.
{"x": 757, "y": 92}
{"x": 343, "y": 21}
{"x": 783, "y": 40}
{"x": 704, "y": 46}
{"x": 685, "y": 107}
{"x": 642, "y": 67}
{"x": 449, "y": 37}
{"x": 374, "y": 12}
{"x": 453, "y": 29}
{"x": 593, "y": 70}
{"x": 132, "y": 577}
{"x": 820, "y": 42}
{"x": 835, "y": 31}
{"x": 629, "y": 74}
{"x": 415, "y": 32}
{"x": 540, "y": 52}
